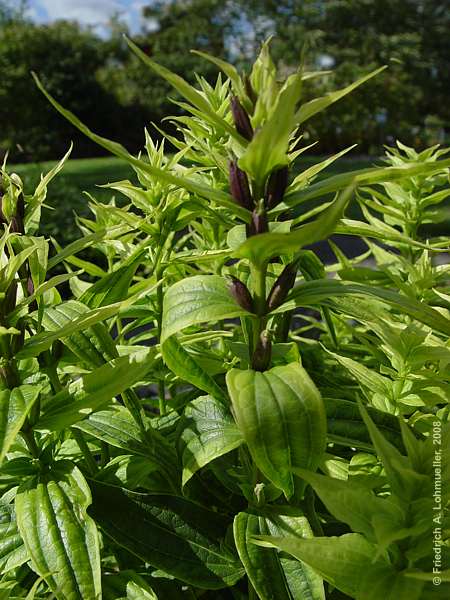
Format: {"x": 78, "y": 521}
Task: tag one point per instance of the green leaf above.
{"x": 404, "y": 480}
{"x": 281, "y": 415}
{"x": 207, "y": 432}
{"x": 117, "y": 427}
{"x": 93, "y": 390}
{"x": 187, "y": 91}
{"x": 321, "y": 292}
{"x": 268, "y": 150}
{"x": 80, "y": 330}
{"x": 345, "y": 424}
{"x": 352, "y": 503}
{"x": 60, "y": 537}
{"x": 110, "y": 289}
{"x": 189, "y": 302}
{"x": 361, "y": 177}
{"x": 198, "y": 299}
{"x": 260, "y": 248}
{"x": 182, "y": 364}
{"x": 170, "y": 533}
{"x": 76, "y": 246}
{"x": 275, "y": 575}
{"x": 307, "y": 110}
{"x": 343, "y": 561}
{"x": 229, "y": 70}
{"x": 210, "y": 193}
{"x": 12, "y": 549}
{"x": 14, "y": 408}
{"x": 308, "y": 174}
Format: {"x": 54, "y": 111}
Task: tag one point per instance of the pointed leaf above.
{"x": 207, "y": 432}
{"x": 281, "y": 415}
{"x": 14, "y": 408}
{"x": 93, "y": 390}
{"x": 275, "y": 575}
{"x": 170, "y": 533}
{"x": 60, "y": 537}
{"x": 260, "y": 248}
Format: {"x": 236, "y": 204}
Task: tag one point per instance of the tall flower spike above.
{"x": 240, "y": 293}
{"x": 282, "y": 286}
{"x": 275, "y": 188}
{"x": 239, "y": 186}
{"x": 241, "y": 119}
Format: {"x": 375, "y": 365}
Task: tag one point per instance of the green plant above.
{"x": 170, "y": 417}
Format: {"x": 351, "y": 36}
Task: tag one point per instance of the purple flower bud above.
{"x": 2, "y": 216}
{"x": 239, "y": 187}
{"x": 263, "y": 353}
{"x": 275, "y": 188}
{"x": 240, "y": 293}
{"x": 259, "y": 223}
{"x": 249, "y": 90}
{"x": 281, "y": 287}
{"x": 241, "y": 119}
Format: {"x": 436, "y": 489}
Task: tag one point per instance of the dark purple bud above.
{"x": 20, "y": 207}
{"x": 263, "y": 353}
{"x": 241, "y": 119}
{"x": 239, "y": 187}
{"x": 30, "y": 290}
{"x": 281, "y": 287}
{"x": 10, "y": 298}
{"x": 275, "y": 188}
{"x": 30, "y": 286}
{"x": 240, "y": 293}
{"x": 2, "y": 216}
{"x": 249, "y": 90}
{"x": 16, "y": 225}
{"x": 259, "y": 223}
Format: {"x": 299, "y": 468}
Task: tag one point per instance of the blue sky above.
{"x": 87, "y": 12}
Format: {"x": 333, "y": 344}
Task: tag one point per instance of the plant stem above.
{"x": 82, "y": 444}
{"x": 258, "y": 278}
{"x": 29, "y": 440}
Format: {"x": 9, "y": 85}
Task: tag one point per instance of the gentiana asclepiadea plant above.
{"x": 201, "y": 383}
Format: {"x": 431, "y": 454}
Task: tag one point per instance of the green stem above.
{"x": 258, "y": 278}
{"x": 29, "y": 440}
{"x": 82, "y": 444}
{"x": 161, "y": 384}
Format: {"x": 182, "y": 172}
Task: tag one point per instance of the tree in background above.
{"x": 107, "y": 86}
{"x": 67, "y": 58}
{"x": 354, "y": 36}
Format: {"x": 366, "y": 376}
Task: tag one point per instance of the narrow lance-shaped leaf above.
{"x": 307, "y": 110}
{"x": 186, "y": 90}
{"x": 92, "y": 391}
{"x": 117, "y": 149}
{"x": 361, "y": 177}
{"x": 321, "y": 292}
{"x": 60, "y": 537}
{"x": 268, "y": 149}
{"x": 260, "y": 248}
{"x": 342, "y": 561}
